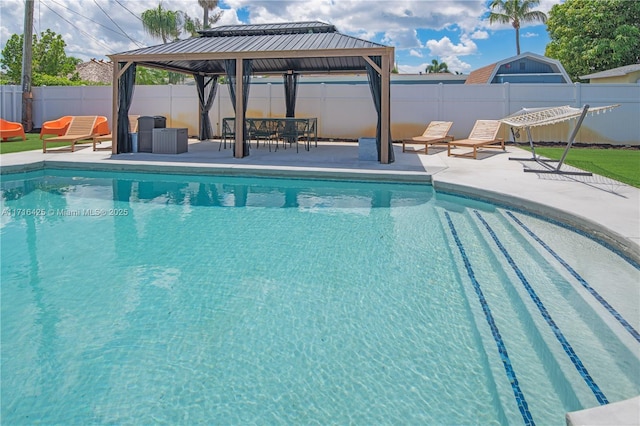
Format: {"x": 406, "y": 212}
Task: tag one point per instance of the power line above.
{"x": 98, "y": 23}
{"x": 123, "y": 6}
{"x": 74, "y": 26}
{"x": 114, "y": 23}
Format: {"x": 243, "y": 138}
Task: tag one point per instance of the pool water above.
{"x": 188, "y": 299}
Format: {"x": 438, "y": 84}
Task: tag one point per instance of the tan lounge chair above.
{"x": 80, "y": 128}
{"x": 483, "y": 135}
{"x": 435, "y": 134}
{"x": 133, "y": 128}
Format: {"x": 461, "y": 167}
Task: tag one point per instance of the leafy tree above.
{"x": 11, "y": 61}
{"x": 151, "y": 76}
{"x": 208, "y": 5}
{"x": 49, "y": 59}
{"x": 515, "y": 12}
{"x": 588, "y": 36}
{"x": 50, "y": 80}
{"x": 437, "y": 67}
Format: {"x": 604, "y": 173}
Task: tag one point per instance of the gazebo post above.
{"x": 115, "y": 89}
{"x": 114, "y": 108}
{"x": 385, "y": 113}
{"x": 239, "y": 148}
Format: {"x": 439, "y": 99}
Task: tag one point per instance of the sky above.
{"x": 453, "y": 31}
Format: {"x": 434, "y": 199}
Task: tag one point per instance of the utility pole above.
{"x": 27, "y": 54}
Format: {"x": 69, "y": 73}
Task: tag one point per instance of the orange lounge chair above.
{"x": 100, "y": 137}
{"x": 102, "y": 126}
{"x": 9, "y": 129}
{"x": 435, "y": 134}
{"x": 483, "y": 135}
{"x": 55, "y": 127}
{"x": 80, "y": 128}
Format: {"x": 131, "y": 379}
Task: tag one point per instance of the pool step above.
{"x": 577, "y": 346}
{"x": 575, "y": 262}
{"x": 593, "y": 335}
{"x": 514, "y": 333}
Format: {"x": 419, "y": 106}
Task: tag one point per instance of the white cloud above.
{"x": 446, "y": 51}
{"x": 370, "y": 18}
{"x": 89, "y": 33}
{"x": 411, "y": 69}
{"x": 444, "y": 47}
{"x": 529, "y": 35}
{"x": 480, "y": 35}
{"x": 402, "y": 39}
{"x": 455, "y": 64}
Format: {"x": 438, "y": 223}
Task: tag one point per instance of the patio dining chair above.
{"x": 261, "y": 129}
{"x": 312, "y": 130}
{"x": 293, "y": 130}
{"x": 228, "y": 131}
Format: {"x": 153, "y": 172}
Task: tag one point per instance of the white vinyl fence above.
{"x": 346, "y": 111}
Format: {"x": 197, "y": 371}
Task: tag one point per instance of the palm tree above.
{"x": 515, "y": 12}
{"x": 162, "y": 23}
{"x": 437, "y": 67}
{"x": 208, "y": 5}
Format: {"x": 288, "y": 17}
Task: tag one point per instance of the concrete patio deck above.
{"x": 604, "y": 208}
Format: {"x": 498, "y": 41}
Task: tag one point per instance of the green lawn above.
{"x": 33, "y": 142}
{"x": 620, "y": 164}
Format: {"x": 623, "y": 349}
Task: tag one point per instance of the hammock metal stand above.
{"x": 572, "y": 138}
{"x": 544, "y": 116}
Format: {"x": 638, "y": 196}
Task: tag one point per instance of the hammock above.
{"x": 533, "y": 117}
{"x": 527, "y": 118}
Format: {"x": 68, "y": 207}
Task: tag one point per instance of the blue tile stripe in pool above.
{"x": 581, "y": 280}
{"x": 504, "y": 356}
{"x": 575, "y": 359}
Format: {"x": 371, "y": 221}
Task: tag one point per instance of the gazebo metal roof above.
{"x": 304, "y": 47}
{"x": 286, "y": 48}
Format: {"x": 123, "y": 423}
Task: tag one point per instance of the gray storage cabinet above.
{"x": 146, "y": 124}
{"x": 145, "y": 133}
{"x": 169, "y": 141}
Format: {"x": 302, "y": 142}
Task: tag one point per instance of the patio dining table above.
{"x": 289, "y": 129}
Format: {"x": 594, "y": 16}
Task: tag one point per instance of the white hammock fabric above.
{"x": 533, "y": 117}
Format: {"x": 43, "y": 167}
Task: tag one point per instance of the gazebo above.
{"x": 237, "y": 51}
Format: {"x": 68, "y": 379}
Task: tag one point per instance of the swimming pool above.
{"x": 190, "y": 299}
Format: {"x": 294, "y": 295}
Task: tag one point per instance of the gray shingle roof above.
{"x": 614, "y": 72}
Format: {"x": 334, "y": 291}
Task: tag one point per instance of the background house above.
{"x": 96, "y": 71}
{"x": 626, "y": 74}
{"x": 525, "y": 68}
